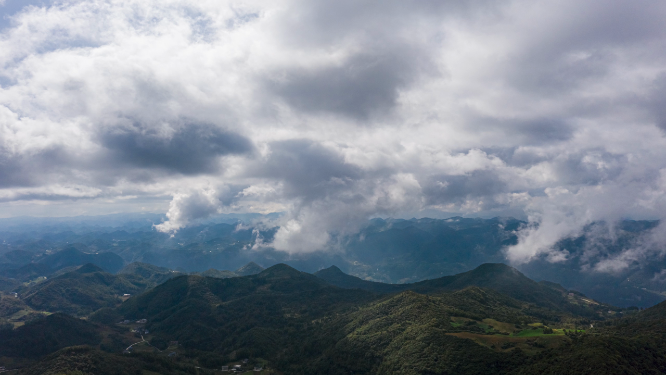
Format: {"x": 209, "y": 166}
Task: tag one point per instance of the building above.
{"x": 142, "y": 321}
{"x": 225, "y": 368}
{"x": 258, "y": 368}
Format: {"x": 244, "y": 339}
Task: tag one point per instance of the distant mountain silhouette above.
{"x": 151, "y": 274}
{"x": 251, "y": 268}
{"x": 496, "y": 276}
{"x": 29, "y": 271}
{"x": 70, "y": 256}
{"x": 333, "y": 275}
{"x": 220, "y": 274}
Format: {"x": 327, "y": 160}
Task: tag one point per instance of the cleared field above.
{"x": 500, "y": 326}
{"x": 537, "y": 333}
{"x": 530, "y": 344}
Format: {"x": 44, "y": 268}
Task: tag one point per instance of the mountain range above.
{"x": 393, "y": 251}
{"x": 490, "y": 320}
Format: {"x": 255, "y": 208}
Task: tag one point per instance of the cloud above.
{"x": 307, "y": 170}
{"x": 182, "y": 147}
{"x": 187, "y": 207}
{"x": 309, "y": 226}
{"x": 360, "y": 86}
{"x": 334, "y": 112}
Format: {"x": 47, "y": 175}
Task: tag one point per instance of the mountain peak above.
{"x": 89, "y": 268}
{"x": 280, "y": 270}
{"x": 495, "y": 267}
{"x": 330, "y": 271}
{"x": 251, "y": 268}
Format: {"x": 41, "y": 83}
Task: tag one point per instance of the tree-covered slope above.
{"x": 297, "y": 323}
{"x": 70, "y": 256}
{"x": 80, "y": 292}
{"x": 334, "y": 276}
{"x": 407, "y": 334}
{"x": 86, "y": 360}
{"x": 496, "y": 276}
{"x": 258, "y": 313}
{"x": 152, "y": 275}
{"x": 46, "y": 335}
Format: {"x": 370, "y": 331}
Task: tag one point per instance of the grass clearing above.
{"x": 503, "y": 343}
{"x": 500, "y": 326}
{"x": 539, "y": 333}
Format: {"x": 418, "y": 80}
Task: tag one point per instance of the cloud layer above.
{"x": 334, "y": 112}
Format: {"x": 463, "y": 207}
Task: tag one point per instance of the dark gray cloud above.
{"x": 516, "y": 156}
{"x": 30, "y": 169}
{"x": 592, "y": 167}
{"x": 323, "y": 23}
{"x": 363, "y": 85}
{"x": 656, "y": 101}
{"x": 388, "y": 56}
{"x": 530, "y": 131}
{"x": 307, "y": 169}
{"x": 576, "y": 48}
{"x": 445, "y": 189}
{"x": 187, "y": 148}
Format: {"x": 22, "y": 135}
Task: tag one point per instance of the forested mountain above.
{"x": 495, "y": 276}
{"x": 491, "y": 320}
{"x": 81, "y": 292}
{"x": 152, "y": 275}
{"x": 388, "y": 250}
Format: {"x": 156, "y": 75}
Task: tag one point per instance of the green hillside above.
{"x": 80, "y": 292}
{"x": 46, "y": 335}
{"x": 84, "y": 360}
{"x": 150, "y": 274}
{"x": 302, "y": 325}
{"x": 496, "y": 276}
{"x": 292, "y": 322}
{"x": 259, "y": 313}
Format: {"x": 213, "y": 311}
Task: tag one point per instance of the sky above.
{"x": 334, "y": 112}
